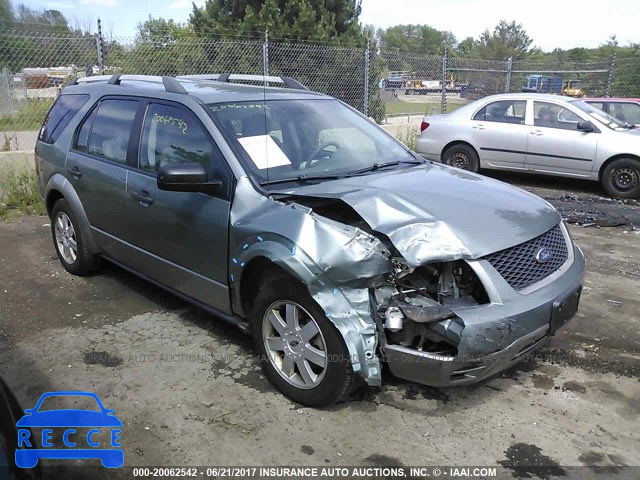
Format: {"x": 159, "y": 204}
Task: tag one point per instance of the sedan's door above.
{"x": 556, "y": 145}
{"x": 498, "y": 130}
{"x": 179, "y": 239}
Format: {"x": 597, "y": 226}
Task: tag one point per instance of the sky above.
{"x": 549, "y": 24}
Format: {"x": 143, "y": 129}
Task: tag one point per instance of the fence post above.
{"x": 443, "y": 97}
{"x": 365, "y": 109}
{"x": 100, "y": 49}
{"x": 265, "y": 57}
{"x": 507, "y": 83}
{"x": 610, "y": 77}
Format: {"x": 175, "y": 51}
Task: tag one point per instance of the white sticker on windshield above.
{"x": 264, "y": 151}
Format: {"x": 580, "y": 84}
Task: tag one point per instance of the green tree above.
{"x": 319, "y": 20}
{"x": 467, "y": 47}
{"x": 421, "y": 39}
{"x": 6, "y": 13}
{"x": 507, "y": 40}
{"x": 162, "y": 47}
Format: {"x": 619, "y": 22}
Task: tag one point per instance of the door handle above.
{"x": 75, "y": 172}
{"x": 143, "y": 197}
{"x": 536, "y": 132}
{"x": 479, "y": 127}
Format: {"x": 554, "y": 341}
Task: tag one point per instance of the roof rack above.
{"x": 228, "y": 77}
{"x": 170, "y": 84}
{"x": 173, "y": 85}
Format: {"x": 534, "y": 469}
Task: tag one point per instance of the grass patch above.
{"x": 30, "y": 117}
{"x": 396, "y": 108}
{"x": 406, "y": 107}
{"x": 408, "y": 135}
{"x": 19, "y": 194}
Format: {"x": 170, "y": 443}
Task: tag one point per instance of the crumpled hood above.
{"x": 434, "y": 212}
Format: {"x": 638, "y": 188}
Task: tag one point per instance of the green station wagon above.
{"x": 291, "y": 215}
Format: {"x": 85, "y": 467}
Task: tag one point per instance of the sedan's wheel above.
{"x": 68, "y": 241}
{"x": 461, "y": 156}
{"x": 621, "y": 178}
{"x": 301, "y": 351}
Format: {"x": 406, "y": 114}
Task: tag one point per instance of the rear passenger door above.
{"x": 499, "y": 132}
{"x": 179, "y": 239}
{"x": 97, "y": 166}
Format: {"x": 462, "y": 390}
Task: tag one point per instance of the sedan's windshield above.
{"x": 603, "y": 117}
{"x": 306, "y": 139}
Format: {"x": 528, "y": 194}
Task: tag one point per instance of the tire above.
{"x": 66, "y": 233}
{"x": 462, "y": 156}
{"x": 621, "y": 178}
{"x": 311, "y": 336}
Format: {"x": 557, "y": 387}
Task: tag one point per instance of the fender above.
{"x": 346, "y": 307}
{"x": 61, "y": 184}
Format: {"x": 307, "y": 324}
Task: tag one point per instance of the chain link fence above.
{"x": 381, "y": 84}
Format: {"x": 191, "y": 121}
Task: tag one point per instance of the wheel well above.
{"x": 257, "y": 272}
{"x": 457, "y": 142}
{"x": 613, "y": 159}
{"x": 52, "y": 198}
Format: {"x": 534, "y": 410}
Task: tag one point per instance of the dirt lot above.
{"x": 189, "y": 392}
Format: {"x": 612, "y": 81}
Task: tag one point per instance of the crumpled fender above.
{"x": 335, "y": 261}
{"x": 60, "y": 183}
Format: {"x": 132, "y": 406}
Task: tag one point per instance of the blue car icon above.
{"x": 75, "y": 445}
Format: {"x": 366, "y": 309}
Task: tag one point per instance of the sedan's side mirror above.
{"x": 186, "y": 177}
{"x": 585, "y": 127}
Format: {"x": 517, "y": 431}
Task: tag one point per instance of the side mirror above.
{"x": 186, "y": 177}
{"x": 29, "y": 411}
{"x": 585, "y": 127}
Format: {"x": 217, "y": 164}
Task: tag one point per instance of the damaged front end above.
{"x": 399, "y": 283}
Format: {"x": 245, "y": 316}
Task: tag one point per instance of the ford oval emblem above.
{"x": 544, "y": 255}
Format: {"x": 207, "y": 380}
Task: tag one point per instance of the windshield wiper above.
{"x": 301, "y": 179}
{"x": 629, "y": 126}
{"x": 378, "y": 166}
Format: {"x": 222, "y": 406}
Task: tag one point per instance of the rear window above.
{"x": 62, "y": 112}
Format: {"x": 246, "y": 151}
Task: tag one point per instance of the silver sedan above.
{"x": 537, "y": 133}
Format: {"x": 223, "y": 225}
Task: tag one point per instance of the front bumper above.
{"x": 494, "y": 337}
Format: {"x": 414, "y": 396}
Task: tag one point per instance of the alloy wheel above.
{"x": 294, "y": 344}
{"x": 66, "y": 240}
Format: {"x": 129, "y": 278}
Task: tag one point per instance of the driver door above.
{"x": 180, "y": 238}
{"x": 556, "y": 145}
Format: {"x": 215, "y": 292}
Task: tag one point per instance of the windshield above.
{"x": 293, "y": 139}
{"x": 602, "y": 117}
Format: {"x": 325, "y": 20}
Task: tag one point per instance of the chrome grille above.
{"x": 518, "y": 265}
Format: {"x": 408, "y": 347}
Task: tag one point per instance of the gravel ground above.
{"x": 189, "y": 392}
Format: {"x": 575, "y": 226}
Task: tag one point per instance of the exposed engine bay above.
{"x": 413, "y": 305}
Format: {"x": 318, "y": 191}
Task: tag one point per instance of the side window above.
{"x": 82, "y": 140}
{"x": 506, "y": 111}
{"x": 627, "y": 112}
{"x": 64, "y": 109}
{"x": 551, "y": 115}
{"x": 175, "y": 135}
{"x": 481, "y": 114}
{"x": 172, "y": 135}
{"x": 599, "y": 105}
{"x": 112, "y": 126}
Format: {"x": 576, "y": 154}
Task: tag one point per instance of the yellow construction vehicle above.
{"x": 573, "y": 88}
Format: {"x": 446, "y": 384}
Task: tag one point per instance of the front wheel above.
{"x": 462, "y": 156}
{"x": 301, "y": 351}
{"x": 621, "y": 178}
